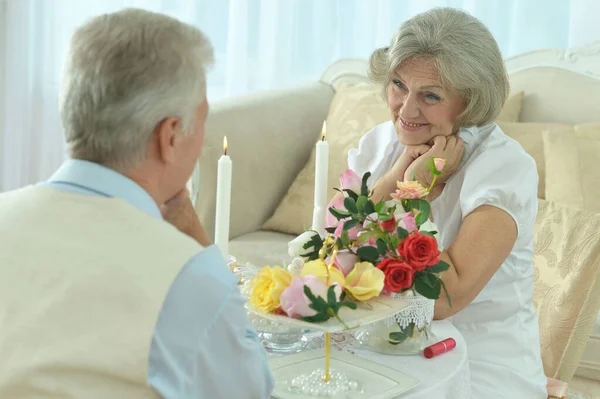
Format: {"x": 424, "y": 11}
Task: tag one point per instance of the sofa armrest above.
{"x": 271, "y": 136}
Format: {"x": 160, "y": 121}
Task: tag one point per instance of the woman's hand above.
{"x": 451, "y": 148}
{"x": 409, "y": 155}
{"x": 180, "y": 212}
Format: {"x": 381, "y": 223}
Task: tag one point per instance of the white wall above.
{"x": 2, "y": 73}
{"x": 583, "y": 28}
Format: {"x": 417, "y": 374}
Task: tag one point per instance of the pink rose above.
{"x": 439, "y": 164}
{"x": 408, "y": 222}
{"x": 350, "y": 181}
{"x": 344, "y": 261}
{"x": 352, "y": 233}
{"x": 409, "y": 190}
{"x": 330, "y": 220}
{"x": 296, "y": 304}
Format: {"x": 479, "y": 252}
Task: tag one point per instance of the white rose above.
{"x": 295, "y": 267}
{"x": 296, "y": 246}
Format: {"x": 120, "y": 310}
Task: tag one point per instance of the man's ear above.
{"x": 166, "y": 131}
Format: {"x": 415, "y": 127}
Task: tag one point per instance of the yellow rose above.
{"x": 317, "y": 268}
{"x": 267, "y": 287}
{"x": 365, "y": 281}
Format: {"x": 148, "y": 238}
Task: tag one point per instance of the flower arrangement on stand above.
{"x": 372, "y": 249}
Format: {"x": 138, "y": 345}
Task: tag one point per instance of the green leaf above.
{"x": 382, "y": 246}
{"x": 350, "y": 305}
{"x": 365, "y": 237}
{"x": 331, "y": 299}
{"x": 394, "y": 242}
{"x": 319, "y": 317}
{"x": 380, "y": 207}
{"x": 345, "y": 239}
{"x": 431, "y": 165}
{"x": 368, "y": 253}
{"x": 361, "y": 202}
{"x": 351, "y": 194}
{"x": 424, "y": 210}
{"x": 398, "y": 337}
{"x": 440, "y": 267}
{"x": 364, "y": 188}
{"x": 339, "y": 243}
{"x": 428, "y": 278}
{"x": 369, "y": 207}
{"x": 402, "y": 233}
{"x": 429, "y": 233}
{"x": 385, "y": 217}
{"x": 330, "y": 230}
{"x": 424, "y": 289}
{"x": 338, "y": 213}
{"x": 317, "y": 303}
{"x": 348, "y": 224}
{"x": 350, "y": 205}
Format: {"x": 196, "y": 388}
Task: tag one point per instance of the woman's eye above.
{"x": 432, "y": 98}
{"x": 398, "y": 84}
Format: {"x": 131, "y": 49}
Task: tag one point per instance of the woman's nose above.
{"x": 410, "y": 108}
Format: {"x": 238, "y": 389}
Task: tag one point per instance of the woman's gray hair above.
{"x": 465, "y": 53}
{"x": 125, "y": 73}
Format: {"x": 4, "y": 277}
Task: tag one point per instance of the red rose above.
{"x": 389, "y": 225}
{"x": 398, "y": 274}
{"x": 419, "y": 251}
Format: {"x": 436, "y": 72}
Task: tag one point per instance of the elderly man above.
{"x": 109, "y": 287}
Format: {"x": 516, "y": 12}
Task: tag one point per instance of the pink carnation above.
{"x": 409, "y": 190}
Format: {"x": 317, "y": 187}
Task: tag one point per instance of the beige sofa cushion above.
{"x": 355, "y": 109}
{"x": 572, "y": 167}
{"x": 556, "y": 95}
{"x": 529, "y": 135}
{"x": 567, "y": 284}
{"x": 277, "y": 127}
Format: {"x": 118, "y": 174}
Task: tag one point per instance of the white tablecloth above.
{"x": 443, "y": 377}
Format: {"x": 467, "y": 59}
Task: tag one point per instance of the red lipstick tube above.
{"x": 439, "y": 348}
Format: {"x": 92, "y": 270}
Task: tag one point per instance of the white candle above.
{"x": 223, "y": 201}
{"x": 321, "y": 171}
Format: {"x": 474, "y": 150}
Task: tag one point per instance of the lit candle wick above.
{"x": 225, "y": 145}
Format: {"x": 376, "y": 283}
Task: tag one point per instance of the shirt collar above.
{"x": 106, "y": 182}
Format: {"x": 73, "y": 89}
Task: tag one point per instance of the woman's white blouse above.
{"x": 500, "y": 326}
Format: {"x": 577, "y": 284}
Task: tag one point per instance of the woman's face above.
{"x": 421, "y": 108}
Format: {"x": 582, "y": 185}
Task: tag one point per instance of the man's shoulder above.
{"x": 210, "y": 263}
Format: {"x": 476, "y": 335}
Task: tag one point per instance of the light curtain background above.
{"x": 259, "y": 45}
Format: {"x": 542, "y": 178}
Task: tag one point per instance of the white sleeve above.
{"x": 505, "y": 178}
{"x": 374, "y": 151}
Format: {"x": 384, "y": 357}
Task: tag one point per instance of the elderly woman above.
{"x": 445, "y": 83}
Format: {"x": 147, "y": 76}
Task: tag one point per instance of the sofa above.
{"x": 552, "y": 111}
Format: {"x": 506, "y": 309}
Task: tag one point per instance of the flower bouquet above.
{"x": 373, "y": 251}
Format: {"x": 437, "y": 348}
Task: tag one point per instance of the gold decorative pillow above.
{"x": 529, "y": 135}
{"x": 572, "y": 173}
{"x": 567, "y": 284}
{"x": 355, "y": 110}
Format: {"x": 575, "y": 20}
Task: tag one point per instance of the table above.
{"x": 445, "y": 376}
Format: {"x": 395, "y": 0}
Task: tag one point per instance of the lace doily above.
{"x": 420, "y": 312}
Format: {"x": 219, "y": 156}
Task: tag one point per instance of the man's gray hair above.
{"x": 465, "y": 53}
{"x": 125, "y": 73}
